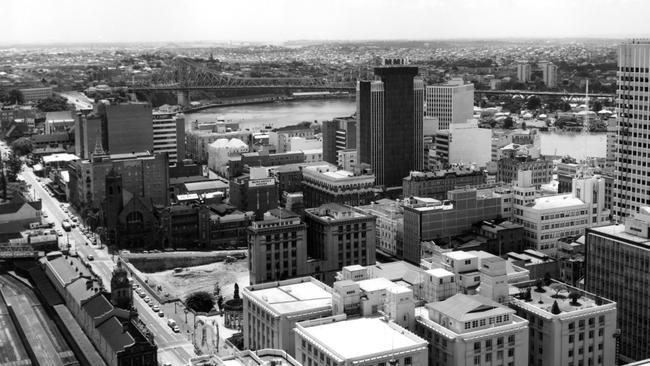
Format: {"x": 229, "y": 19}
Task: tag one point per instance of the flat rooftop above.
{"x": 619, "y": 231}
{"x": 439, "y": 272}
{"x": 556, "y": 291}
{"x": 375, "y": 284}
{"x": 362, "y": 337}
{"x": 293, "y": 298}
{"x": 460, "y": 255}
{"x": 560, "y": 201}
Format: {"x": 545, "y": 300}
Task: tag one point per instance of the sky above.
{"x": 99, "y": 21}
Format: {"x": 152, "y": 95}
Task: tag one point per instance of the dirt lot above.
{"x": 202, "y": 278}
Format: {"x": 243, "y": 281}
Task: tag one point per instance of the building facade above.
{"x": 390, "y": 124}
{"x": 631, "y": 183}
{"x": 617, "y": 262}
{"x": 436, "y": 184}
{"x": 450, "y": 103}
{"x": 325, "y": 183}
{"x": 169, "y": 135}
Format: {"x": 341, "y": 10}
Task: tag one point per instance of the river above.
{"x": 255, "y": 116}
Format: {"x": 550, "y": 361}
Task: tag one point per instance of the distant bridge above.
{"x": 545, "y": 93}
{"x": 186, "y": 75}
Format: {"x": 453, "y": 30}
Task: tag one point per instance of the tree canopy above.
{"x": 533, "y": 103}
{"x": 200, "y": 301}
{"x": 53, "y": 104}
{"x": 15, "y": 96}
{"x": 22, "y": 146}
{"x": 508, "y": 123}
{"x": 13, "y": 167}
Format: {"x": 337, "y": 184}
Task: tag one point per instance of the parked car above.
{"x": 161, "y": 313}
{"x": 155, "y": 308}
{"x": 176, "y": 329}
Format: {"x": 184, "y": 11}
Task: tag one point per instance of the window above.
{"x": 511, "y": 352}
{"x": 488, "y": 344}
{"x": 571, "y": 338}
{"x": 499, "y": 355}
{"x": 477, "y": 346}
{"x": 511, "y": 339}
{"x": 572, "y": 326}
{"x": 477, "y": 360}
{"x": 591, "y": 334}
{"x": 581, "y": 336}
{"x": 500, "y": 342}
{"x": 488, "y": 357}
{"x": 601, "y": 319}
{"x": 407, "y": 360}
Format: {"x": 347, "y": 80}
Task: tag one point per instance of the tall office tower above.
{"x": 632, "y": 169}
{"x": 169, "y": 135}
{"x": 450, "y": 103}
{"x": 127, "y": 128}
{"x": 549, "y": 73}
{"x": 390, "y": 122}
{"x": 524, "y": 72}
{"x": 88, "y": 129}
{"x": 617, "y": 262}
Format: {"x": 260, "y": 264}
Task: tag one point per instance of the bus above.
{"x": 66, "y": 226}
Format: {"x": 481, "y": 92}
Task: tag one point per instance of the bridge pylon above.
{"x": 183, "y": 98}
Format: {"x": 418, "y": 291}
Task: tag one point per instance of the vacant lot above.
{"x": 201, "y": 278}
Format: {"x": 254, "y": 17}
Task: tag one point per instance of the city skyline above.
{"x": 285, "y": 20}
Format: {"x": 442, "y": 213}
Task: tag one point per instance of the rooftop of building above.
{"x": 247, "y": 358}
{"x": 398, "y": 272}
{"x": 439, "y": 272}
{"x": 556, "y": 202}
{"x": 334, "y": 212}
{"x": 59, "y": 158}
{"x": 619, "y": 231}
{"x": 444, "y": 173}
{"x": 212, "y": 184}
{"x": 362, "y": 337}
{"x": 376, "y": 284}
{"x": 460, "y": 255}
{"x": 298, "y": 295}
{"x": 463, "y": 308}
{"x": 542, "y": 298}
{"x": 60, "y": 116}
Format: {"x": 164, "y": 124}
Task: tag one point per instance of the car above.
{"x": 147, "y": 299}
{"x": 155, "y": 308}
{"x": 176, "y": 329}
{"x": 134, "y": 286}
{"x": 73, "y": 225}
{"x": 74, "y": 219}
{"x": 171, "y": 323}
{"x": 59, "y": 232}
{"x": 142, "y": 294}
{"x": 161, "y": 313}
{"x": 44, "y": 214}
{"x": 90, "y": 257}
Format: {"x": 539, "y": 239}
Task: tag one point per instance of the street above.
{"x": 173, "y": 348}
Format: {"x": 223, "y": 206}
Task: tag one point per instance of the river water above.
{"x": 256, "y": 116}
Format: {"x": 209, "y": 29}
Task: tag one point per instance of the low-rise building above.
{"x": 362, "y": 341}
{"x": 272, "y": 309}
{"x": 472, "y": 330}
{"x": 437, "y": 183}
{"x": 325, "y": 183}
{"x": 567, "y": 325}
{"x": 389, "y": 226}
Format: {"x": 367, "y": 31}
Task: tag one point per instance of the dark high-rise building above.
{"x": 390, "y": 124}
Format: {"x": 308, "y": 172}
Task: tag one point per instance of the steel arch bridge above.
{"x": 185, "y": 75}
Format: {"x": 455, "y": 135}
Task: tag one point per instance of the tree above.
{"x": 533, "y": 103}
{"x": 16, "y": 97}
{"x": 547, "y": 279}
{"x": 555, "y": 309}
{"x": 22, "y": 146}
{"x": 575, "y": 296}
{"x": 523, "y": 125}
{"x": 539, "y": 286}
{"x": 597, "y": 106}
{"x": 14, "y": 165}
{"x": 53, "y": 104}
{"x": 236, "y": 294}
{"x": 566, "y": 107}
{"x": 508, "y": 123}
{"x": 220, "y": 302}
{"x": 200, "y": 301}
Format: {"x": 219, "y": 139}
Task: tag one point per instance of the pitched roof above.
{"x": 112, "y": 331}
{"x": 467, "y": 307}
{"x": 97, "y": 306}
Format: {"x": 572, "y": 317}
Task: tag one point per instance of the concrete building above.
{"x": 169, "y": 135}
{"x": 389, "y": 226}
{"x": 564, "y": 331}
{"x": 36, "y": 94}
{"x": 451, "y": 103}
{"x": 617, "y": 261}
{"x": 472, "y": 330}
{"x": 549, "y": 73}
{"x": 338, "y": 236}
{"x": 338, "y": 134}
{"x": 631, "y": 166}
{"x": 549, "y": 218}
{"x": 57, "y": 122}
{"x": 430, "y": 219}
{"x": 281, "y": 137}
{"x": 347, "y": 159}
{"x": 390, "y": 124}
{"x": 325, "y": 183}
{"x": 509, "y": 167}
{"x": 197, "y": 141}
{"x": 257, "y": 192}
{"x": 238, "y": 165}
{"x": 524, "y": 72}
{"x": 277, "y": 247}
{"x": 337, "y": 341}
{"x": 437, "y": 183}
{"x": 221, "y": 151}
{"x": 272, "y": 309}
{"x": 463, "y": 144}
